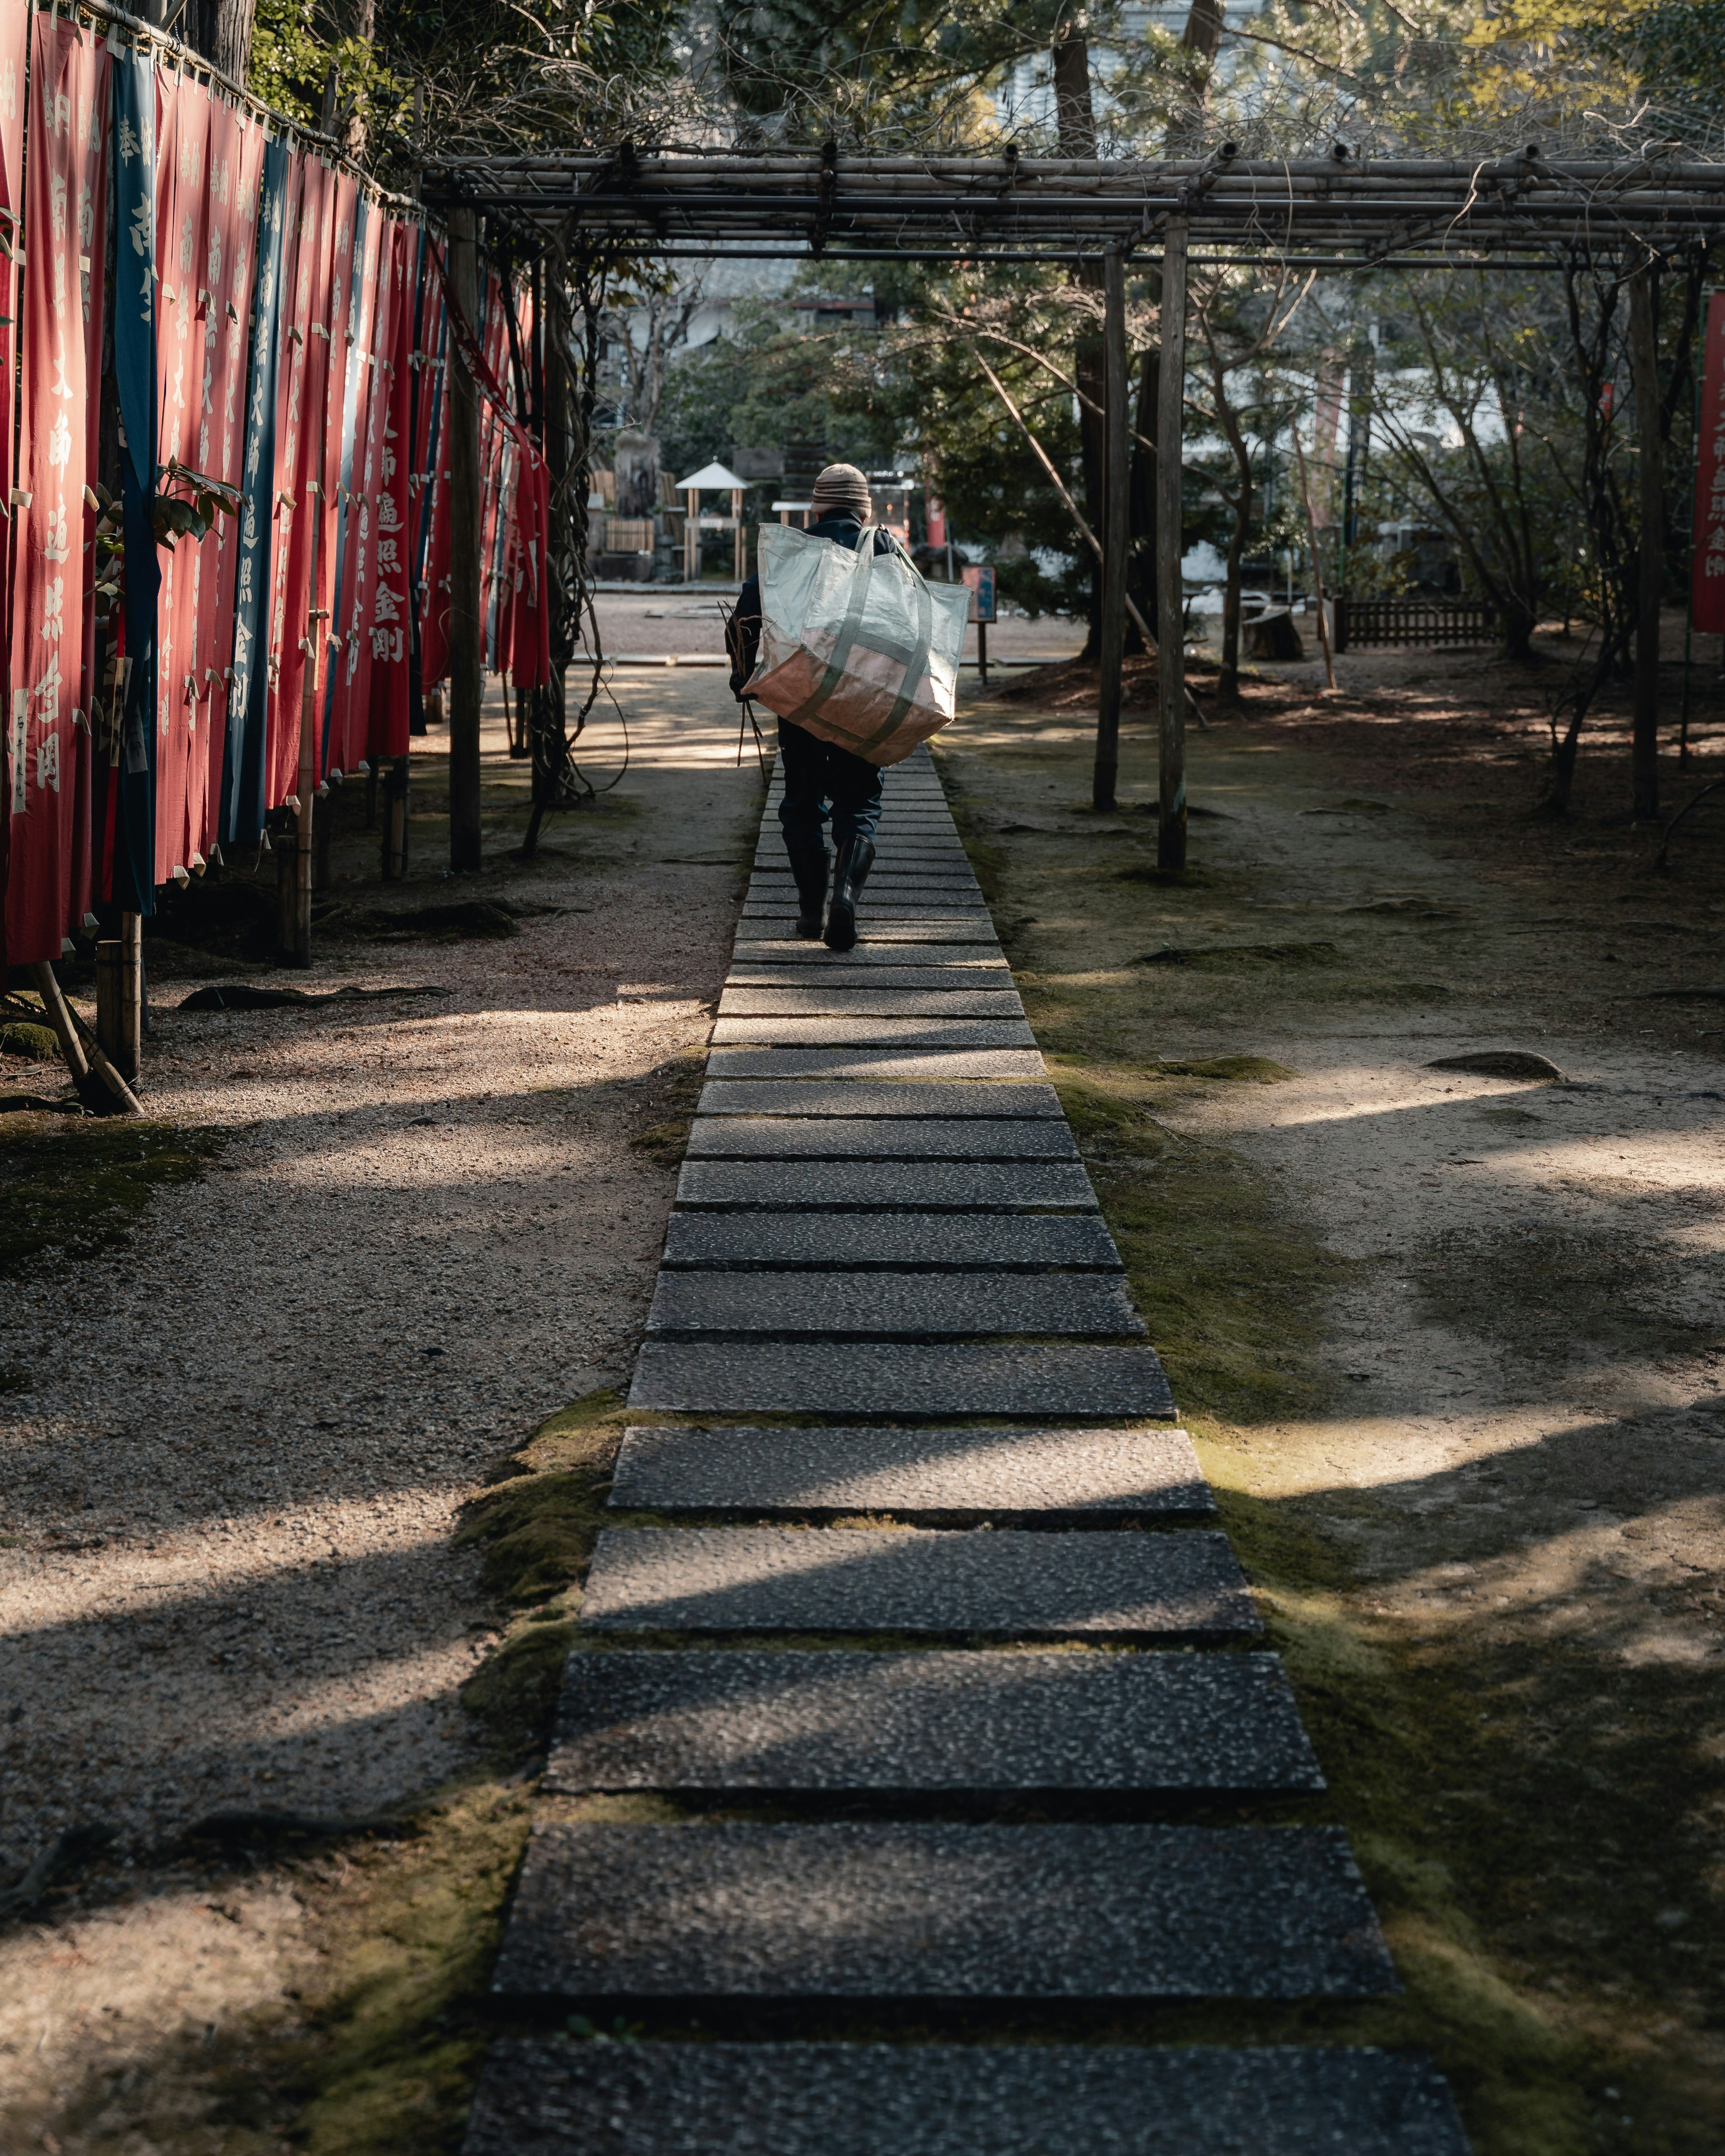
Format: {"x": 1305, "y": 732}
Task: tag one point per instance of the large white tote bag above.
{"x": 859, "y": 648}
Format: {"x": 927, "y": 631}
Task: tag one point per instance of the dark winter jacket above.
{"x": 743, "y": 632}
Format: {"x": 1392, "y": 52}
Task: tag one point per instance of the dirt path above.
{"x": 227, "y": 1580}
{"x": 1453, "y": 1342}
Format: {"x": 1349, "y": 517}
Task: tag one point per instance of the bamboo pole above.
{"x": 67, "y": 1028}
{"x": 1116, "y": 455}
{"x": 466, "y": 625}
{"x": 1170, "y": 597}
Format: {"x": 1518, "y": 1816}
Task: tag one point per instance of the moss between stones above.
{"x": 79, "y": 1188}
{"x": 537, "y": 1529}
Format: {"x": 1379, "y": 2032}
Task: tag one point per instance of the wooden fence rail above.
{"x": 1361, "y": 622}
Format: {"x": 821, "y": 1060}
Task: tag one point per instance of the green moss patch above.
{"x": 536, "y": 1529}
{"x": 78, "y": 1188}
{"x": 1236, "y": 1069}
{"x": 36, "y": 1042}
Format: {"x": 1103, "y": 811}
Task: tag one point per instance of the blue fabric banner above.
{"x": 245, "y": 766}
{"x": 134, "y": 166}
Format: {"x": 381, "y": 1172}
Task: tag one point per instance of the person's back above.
{"x": 816, "y": 772}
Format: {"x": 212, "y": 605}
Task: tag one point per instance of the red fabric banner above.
{"x": 325, "y": 595}
{"x": 236, "y": 165}
{"x": 181, "y": 204}
{"x": 431, "y": 469}
{"x": 389, "y": 604}
{"x": 281, "y": 753}
{"x": 1707, "y": 568}
{"x": 47, "y": 884}
{"x": 299, "y": 456}
{"x": 14, "y": 44}
{"x": 367, "y": 307}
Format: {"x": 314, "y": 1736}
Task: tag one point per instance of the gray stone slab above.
{"x": 977, "y": 1242}
{"x": 775, "y": 953}
{"x": 871, "y": 978}
{"x": 1013, "y": 1584}
{"x": 912, "y": 1186}
{"x": 551, "y": 2098}
{"x": 976, "y": 930}
{"x": 882, "y": 1137}
{"x": 771, "y": 1096}
{"x": 814, "y": 1032}
{"x": 926, "y": 1911}
{"x": 862, "y": 1378}
{"x": 919, "y": 1065}
{"x": 892, "y": 1305}
{"x": 838, "y": 999}
{"x": 937, "y": 1724}
{"x": 1045, "y": 1473}
{"x": 888, "y": 870}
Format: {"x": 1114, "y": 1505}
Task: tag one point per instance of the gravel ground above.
{"x": 228, "y": 1491}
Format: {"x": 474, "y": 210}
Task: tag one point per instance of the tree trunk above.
{"x": 1228, "y": 682}
{"x": 1650, "y": 545}
{"x": 1074, "y": 116}
{"x": 222, "y": 31}
{"x": 1141, "y": 567}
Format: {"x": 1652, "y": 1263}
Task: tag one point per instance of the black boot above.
{"x": 809, "y": 866}
{"x": 856, "y": 857}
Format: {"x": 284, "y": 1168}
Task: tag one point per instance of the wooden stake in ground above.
{"x": 1170, "y": 596}
{"x": 466, "y": 627}
{"x": 1317, "y": 574}
{"x": 1644, "y": 361}
{"x": 120, "y": 972}
{"x": 1117, "y": 445}
{"x": 66, "y": 1032}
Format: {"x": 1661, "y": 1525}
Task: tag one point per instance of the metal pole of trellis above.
{"x": 1170, "y": 599}
{"x": 467, "y": 681}
{"x": 1116, "y": 530}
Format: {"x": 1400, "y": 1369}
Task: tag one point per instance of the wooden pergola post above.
{"x": 467, "y": 680}
{"x": 1116, "y": 529}
{"x": 1170, "y": 599}
{"x": 1643, "y": 362}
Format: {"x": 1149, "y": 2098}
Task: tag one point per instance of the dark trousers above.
{"x": 817, "y": 773}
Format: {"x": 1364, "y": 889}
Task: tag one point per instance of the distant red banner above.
{"x": 1707, "y": 574}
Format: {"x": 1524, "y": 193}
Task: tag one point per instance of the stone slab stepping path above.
{"x": 802, "y": 1186}
{"x": 1074, "y": 1473}
{"x": 934, "y": 1581}
{"x": 899, "y": 1378}
{"x": 874, "y": 1063}
{"x": 877, "y": 1305}
{"x": 937, "y": 1724}
{"x": 547, "y": 2099}
{"x": 879, "y": 1137}
{"x": 894, "y": 1390}
{"x": 928, "y": 1911}
{"x": 723, "y": 1096}
{"x": 906, "y": 1242}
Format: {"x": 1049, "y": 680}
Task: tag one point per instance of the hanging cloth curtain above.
{"x": 299, "y": 468}
{"x": 244, "y": 802}
{"x": 134, "y": 115}
{"x": 182, "y": 203}
{"x": 236, "y": 160}
{"x": 49, "y": 699}
{"x": 389, "y": 605}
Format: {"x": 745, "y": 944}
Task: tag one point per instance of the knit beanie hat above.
{"x": 841, "y": 491}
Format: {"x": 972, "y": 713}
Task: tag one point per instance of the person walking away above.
{"x": 820, "y": 780}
